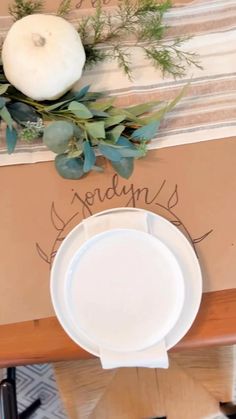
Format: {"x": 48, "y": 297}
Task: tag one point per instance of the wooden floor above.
{"x": 190, "y": 389}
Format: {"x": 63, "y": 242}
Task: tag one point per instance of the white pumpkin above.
{"x": 43, "y": 56}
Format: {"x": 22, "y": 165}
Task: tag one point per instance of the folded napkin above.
{"x": 130, "y": 219}
{"x": 153, "y": 357}
{"x": 156, "y": 355}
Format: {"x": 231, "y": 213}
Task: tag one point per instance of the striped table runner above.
{"x": 208, "y": 110}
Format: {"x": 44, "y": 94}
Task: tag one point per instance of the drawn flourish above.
{"x": 133, "y": 194}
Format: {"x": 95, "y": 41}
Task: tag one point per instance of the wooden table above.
{"x": 44, "y": 340}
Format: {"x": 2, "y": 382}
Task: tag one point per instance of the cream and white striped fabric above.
{"x": 208, "y": 110}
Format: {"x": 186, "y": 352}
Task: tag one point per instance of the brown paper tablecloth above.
{"x": 193, "y": 185}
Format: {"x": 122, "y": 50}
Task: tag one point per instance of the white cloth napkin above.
{"x": 155, "y": 356}
{"x": 132, "y": 220}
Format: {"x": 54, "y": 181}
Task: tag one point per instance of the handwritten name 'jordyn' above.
{"x": 133, "y": 194}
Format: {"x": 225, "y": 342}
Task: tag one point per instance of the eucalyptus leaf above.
{"x": 142, "y": 108}
{"x": 11, "y": 139}
{"x": 56, "y": 136}
{"x": 158, "y": 115}
{"x": 22, "y": 112}
{"x": 56, "y": 105}
{"x": 111, "y": 153}
{"x": 102, "y": 105}
{"x": 167, "y": 108}
{"x": 174, "y": 102}
{"x": 128, "y": 149}
{"x": 114, "y": 120}
{"x": 82, "y": 92}
{"x": 110, "y": 144}
{"x": 89, "y": 157}
{"x": 80, "y": 110}
{"x": 115, "y": 133}
{"x": 69, "y": 167}
{"x": 90, "y": 96}
{"x": 123, "y": 141}
{"x": 130, "y": 152}
{"x": 118, "y": 111}
{"x": 5, "y": 115}
{"x": 100, "y": 114}
{"x": 146, "y": 132}
{"x": 124, "y": 167}
{"x": 128, "y": 115}
{"x": 96, "y": 129}
{"x": 4, "y": 88}
{"x": 2, "y": 102}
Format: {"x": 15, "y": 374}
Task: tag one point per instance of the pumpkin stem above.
{"x": 38, "y": 40}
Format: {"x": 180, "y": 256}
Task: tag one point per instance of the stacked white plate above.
{"x": 125, "y": 284}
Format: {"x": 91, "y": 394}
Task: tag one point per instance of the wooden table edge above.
{"x": 44, "y": 340}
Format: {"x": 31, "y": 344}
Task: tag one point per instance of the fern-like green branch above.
{"x": 64, "y": 8}
{"x": 22, "y": 8}
{"x": 104, "y": 35}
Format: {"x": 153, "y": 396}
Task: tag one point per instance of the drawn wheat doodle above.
{"x": 62, "y": 227}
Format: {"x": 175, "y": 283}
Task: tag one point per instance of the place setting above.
{"x": 126, "y": 286}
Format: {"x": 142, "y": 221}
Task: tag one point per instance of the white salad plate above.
{"x": 125, "y": 289}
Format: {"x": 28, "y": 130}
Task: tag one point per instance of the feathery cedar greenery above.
{"x": 105, "y": 35}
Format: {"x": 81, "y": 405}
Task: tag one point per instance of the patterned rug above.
{"x": 38, "y": 381}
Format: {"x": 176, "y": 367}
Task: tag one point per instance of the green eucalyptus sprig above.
{"x": 82, "y": 125}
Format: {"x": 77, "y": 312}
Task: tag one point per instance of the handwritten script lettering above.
{"x": 132, "y": 193}
{"x": 131, "y": 196}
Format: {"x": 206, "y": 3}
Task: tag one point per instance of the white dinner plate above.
{"x": 124, "y": 289}
{"x": 169, "y": 236}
